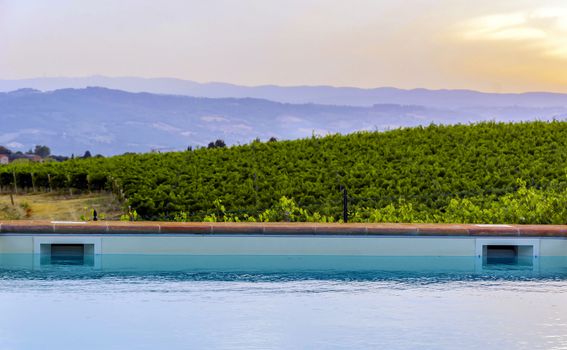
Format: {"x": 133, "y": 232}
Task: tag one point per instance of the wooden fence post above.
{"x": 15, "y": 182}
{"x": 33, "y": 182}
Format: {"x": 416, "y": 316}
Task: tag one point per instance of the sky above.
{"x": 486, "y": 45}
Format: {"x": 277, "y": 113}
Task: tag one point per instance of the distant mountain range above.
{"x": 347, "y": 96}
{"x": 111, "y": 121}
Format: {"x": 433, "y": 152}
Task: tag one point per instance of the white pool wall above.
{"x": 219, "y": 244}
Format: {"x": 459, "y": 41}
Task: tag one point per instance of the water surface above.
{"x": 188, "y": 306}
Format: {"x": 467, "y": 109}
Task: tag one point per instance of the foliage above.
{"x": 9, "y": 212}
{"x": 4, "y": 150}
{"x": 217, "y": 144}
{"x": 526, "y": 205}
{"x": 42, "y": 151}
{"x": 88, "y": 214}
{"x": 131, "y": 216}
{"x": 459, "y": 173}
{"x": 27, "y": 209}
{"x": 287, "y": 210}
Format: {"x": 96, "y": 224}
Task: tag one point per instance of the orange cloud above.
{"x": 543, "y": 28}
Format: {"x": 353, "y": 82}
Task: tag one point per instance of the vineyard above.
{"x": 486, "y": 172}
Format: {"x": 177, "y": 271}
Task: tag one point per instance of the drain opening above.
{"x": 519, "y": 255}
{"x": 67, "y": 254}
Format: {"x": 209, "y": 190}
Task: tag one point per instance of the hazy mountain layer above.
{"x": 111, "y": 121}
{"x": 299, "y": 94}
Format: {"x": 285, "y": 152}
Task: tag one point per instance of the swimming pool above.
{"x": 307, "y": 290}
{"x": 77, "y": 306}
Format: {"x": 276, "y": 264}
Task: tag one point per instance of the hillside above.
{"x": 59, "y": 206}
{"x": 109, "y": 122}
{"x": 326, "y": 95}
{"x": 487, "y": 172}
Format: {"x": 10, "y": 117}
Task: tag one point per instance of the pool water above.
{"x": 258, "y": 304}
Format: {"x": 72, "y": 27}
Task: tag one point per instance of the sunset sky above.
{"x": 487, "y": 45}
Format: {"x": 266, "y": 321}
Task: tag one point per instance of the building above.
{"x": 34, "y": 158}
{"x": 28, "y": 156}
{"x": 4, "y": 159}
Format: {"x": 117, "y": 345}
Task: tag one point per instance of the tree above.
{"x": 217, "y": 144}
{"x": 42, "y": 151}
{"x": 59, "y": 158}
{"x": 272, "y": 139}
{"x": 87, "y": 154}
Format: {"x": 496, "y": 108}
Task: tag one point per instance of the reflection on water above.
{"x": 64, "y": 254}
{"x": 282, "y": 302}
{"x": 242, "y": 267}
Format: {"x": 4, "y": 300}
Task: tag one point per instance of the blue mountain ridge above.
{"x": 110, "y": 121}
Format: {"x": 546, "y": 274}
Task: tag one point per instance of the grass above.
{"x": 58, "y": 206}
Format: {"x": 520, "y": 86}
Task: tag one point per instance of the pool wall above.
{"x": 443, "y": 240}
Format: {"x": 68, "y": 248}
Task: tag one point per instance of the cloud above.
{"x": 240, "y": 127}
{"x": 105, "y": 139}
{"x": 165, "y": 127}
{"x": 11, "y": 136}
{"x": 543, "y": 28}
{"x": 290, "y": 119}
{"x": 15, "y": 145}
{"x": 213, "y": 118}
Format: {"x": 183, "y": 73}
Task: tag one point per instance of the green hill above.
{"x": 487, "y": 172}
